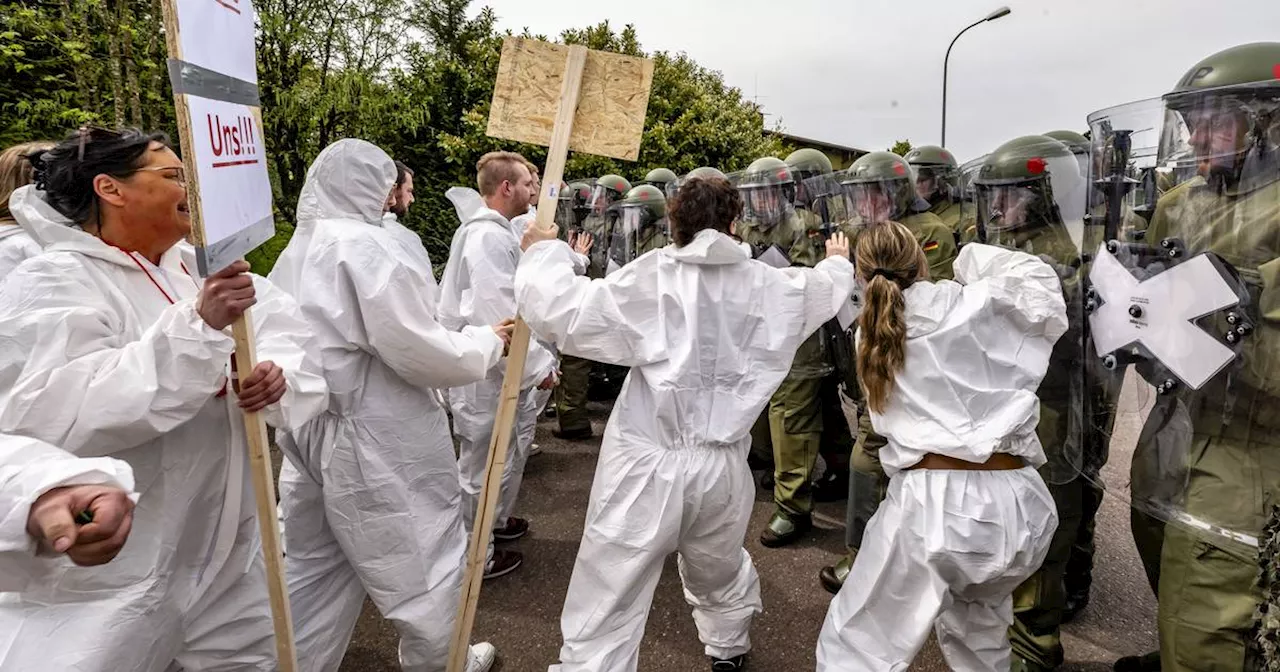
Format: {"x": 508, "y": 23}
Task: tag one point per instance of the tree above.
{"x": 901, "y": 147}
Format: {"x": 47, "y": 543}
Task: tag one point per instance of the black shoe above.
{"x": 514, "y": 529}
{"x": 1148, "y": 662}
{"x": 1076, "y": 603}
{"x": 833, "y": 577}
{"x": 784, "y": 529}
{"x": 503, "y": 563}
{"x": 580, "y": 434}
{"x": 766, "y": 480}
{"x": 729, "y": 664}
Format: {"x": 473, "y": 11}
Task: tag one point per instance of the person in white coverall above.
{"x": 950, "y": 372}
{"x": 44, "y": 492}
{"x": 16, "y": 171}
{"x": 477, "y": 289}
{"x": 709, "y": 334}
{"x": 109, "y": 346}
{"x": 369, "y": 494}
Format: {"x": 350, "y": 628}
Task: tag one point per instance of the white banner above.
{"x": 231, "y": 162}
{"x": 218, "y": 35}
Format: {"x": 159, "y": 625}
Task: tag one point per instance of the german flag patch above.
{"x": 931, "y": 246}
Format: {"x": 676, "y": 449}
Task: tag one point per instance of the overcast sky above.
{"x": 865, "y": 73}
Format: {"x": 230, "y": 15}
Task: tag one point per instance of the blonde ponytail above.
{"x": 889, "y": 260}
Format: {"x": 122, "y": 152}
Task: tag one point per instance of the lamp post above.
{"x": 999, "y": 13}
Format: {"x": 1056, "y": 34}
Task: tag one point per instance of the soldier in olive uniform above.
{"x": 575, "y": 372}
{"x": 1029, "y": 193}
{"x": 641, "y": 223}
{"x": 880, "y": 187}
{"x": 938, "y": 182}
{"x": 804, "y": 414}
{"x": 1224, "y": 129}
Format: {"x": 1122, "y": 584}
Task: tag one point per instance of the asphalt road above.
{"x": 519, "y": 613}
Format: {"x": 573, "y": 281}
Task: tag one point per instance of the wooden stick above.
{"x": 264, "y": 490}
{"x": 509, "y": 401}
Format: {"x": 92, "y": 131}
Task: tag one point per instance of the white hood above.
{"x": 709, "y": 247}
{"x": 351, "y": 179}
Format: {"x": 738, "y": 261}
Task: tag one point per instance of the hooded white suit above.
{"x": 101, "y": 355}
{"x": 28, "y": 469}
{"x": 477, "y": 289}
{"x": 947, "y": 547}
{"x": 709, "y": 334}
{"x": 16, "y": 247}
{"x": 369, "y": 496}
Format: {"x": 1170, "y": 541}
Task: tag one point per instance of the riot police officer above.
{"x": 880, "y": 187}
{"x": 660, "y": 178}
{"x": 1024, "y": 194}
{"x": 575, "y": 373}
{"x": 804, "y": 414}
{"x": 1221, "y": 140}
{"x": 938, "y": 182}
{"x": 641, "y": 226}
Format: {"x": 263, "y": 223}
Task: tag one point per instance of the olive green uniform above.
{"x": 951, "y": 214}
{"x": 804, "y": 413}
{"x": 1207, "y": 589}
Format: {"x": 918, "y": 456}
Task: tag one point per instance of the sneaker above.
{"x": 482, "y": 657}
{"x": 534, "y": 449}
{"x": 514, "y": 529}
{"x": 784, "y": 529}
{"x": 729, "y": 664}
{"x": 579, "y": 434}
{"x": 502, "y": 563}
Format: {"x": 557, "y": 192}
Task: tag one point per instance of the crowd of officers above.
{"x": 1204, "y": 474}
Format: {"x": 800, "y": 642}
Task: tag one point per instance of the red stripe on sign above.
{"x": 230, "y": 7}
{"x": 224, "y": 164}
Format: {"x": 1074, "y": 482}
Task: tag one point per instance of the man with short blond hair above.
{"x": 479, "y": 282}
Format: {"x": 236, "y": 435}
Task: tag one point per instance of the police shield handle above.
{"x": 508, "y": 401}
{"x": 218, "y": 60}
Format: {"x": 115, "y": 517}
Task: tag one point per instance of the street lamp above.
{"x": 999, "y": 13}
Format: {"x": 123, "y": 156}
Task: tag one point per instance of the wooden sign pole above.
{"x": 246, "y": 359}
{"x": 508, "y": 403}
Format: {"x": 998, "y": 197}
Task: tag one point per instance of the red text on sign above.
{"x": 234, "y": 139}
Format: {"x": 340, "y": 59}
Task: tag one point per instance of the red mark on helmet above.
{"x": 899, "y": 169}
{"x": 1275, "y": 71}
{"x": 946, "y": 155}
{"x": 1036, "y": 166}
{"x": 782, "y": 175}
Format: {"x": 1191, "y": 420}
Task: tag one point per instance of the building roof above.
{"x": 819, "y": 144}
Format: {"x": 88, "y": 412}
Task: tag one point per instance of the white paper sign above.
{"x": 218, "y": 35}
{"x": 231, "y": 162}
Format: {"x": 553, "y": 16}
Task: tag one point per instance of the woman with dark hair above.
{"x": 110, "y": 346}
{"x": 16, "y": 171}
{"x": 967, "y": 518}
{"x": 709, "y": 334}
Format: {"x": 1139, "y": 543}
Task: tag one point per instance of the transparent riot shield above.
{"x": 624, "y": 236}
{"x": 1024, "y": 193}
{"x": 823, "y": 197}
{"x": 771, "y": 224}
{"x": 967, "y": 229}
{"x": 1191, "y": 306}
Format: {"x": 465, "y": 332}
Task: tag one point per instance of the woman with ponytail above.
{"x": 949, "y": 371}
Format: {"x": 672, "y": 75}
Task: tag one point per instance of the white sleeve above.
{"x": 282, "y": 335}
{"x": 827, "y": 288}
{"x": 393, "y": 304}
{"x": 492, "y": 268}
{"x": 614, "y": 320}
{"x": 28, "y": 469}
{"x": 1027, "y": 289}
{"x": 68, "y": 377}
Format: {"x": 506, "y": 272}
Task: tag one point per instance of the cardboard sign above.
{"x": 609, "y": 118}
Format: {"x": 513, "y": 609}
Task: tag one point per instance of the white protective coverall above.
{"x": 947, "y": 547}
{"x": 16, "y": 247}
{"x": 709, "y": 334}
{"x": 103, "y": 354}
{"x": 478, "y": 289}
{"x": 28, "y": 469}
{"x": 369, "y": 495}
